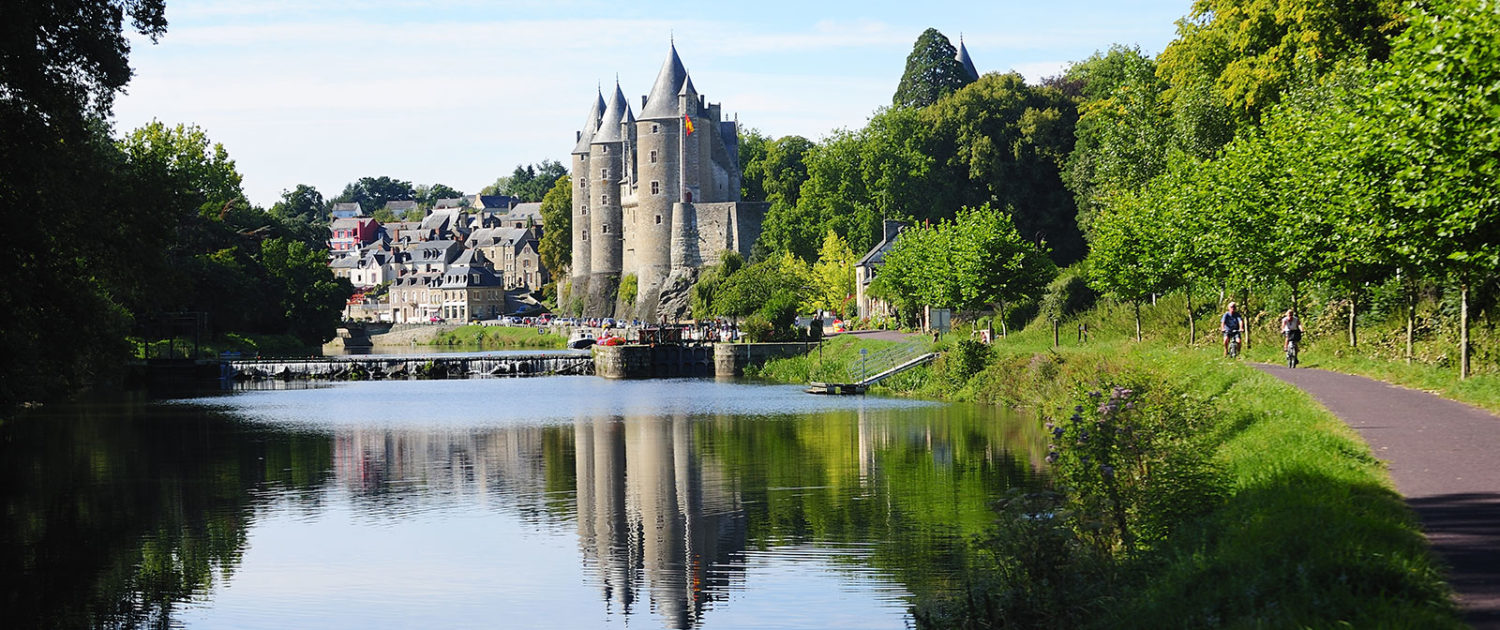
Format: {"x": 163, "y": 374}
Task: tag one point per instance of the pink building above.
{"x": 352, "y": 233}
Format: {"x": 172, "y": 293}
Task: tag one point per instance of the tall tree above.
{"x": 372, "y": 193}
{"x": 932, "y": 71}
{"x": 556, "y": 248}
{"x": 304, "y": 203}
{"x": 531, "y": 182}
{"x": 1434, "y": 112}
{"x": 428, "y": 196}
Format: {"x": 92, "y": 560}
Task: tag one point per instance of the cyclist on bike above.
{"x": 1232, "y": 324}
{"x": 1291, "y": 328}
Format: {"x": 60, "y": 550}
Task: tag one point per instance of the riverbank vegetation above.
{"x": 501, "y": 337}
{"x": 1188, "y": 491}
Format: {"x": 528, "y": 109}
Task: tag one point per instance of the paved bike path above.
{"x": 1444, "y": 457}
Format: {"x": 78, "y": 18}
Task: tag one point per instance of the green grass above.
{"x": 499, "y": 337}
{"x": 1310, "y": 532}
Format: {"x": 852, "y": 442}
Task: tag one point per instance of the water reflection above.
{"x": 556, "y": 502}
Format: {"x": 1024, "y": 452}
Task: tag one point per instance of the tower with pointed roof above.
{"x": 657, "y": 195}
{"x": 965, "y": 61}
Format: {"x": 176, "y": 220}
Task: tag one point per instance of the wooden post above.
{"x": 1353, "y": 335}
{"x": 1411, "y": 320}
{"x": 1463, "y": 330}
{"x": 1138, "y": 318}
{"x": 1192, "y": 325}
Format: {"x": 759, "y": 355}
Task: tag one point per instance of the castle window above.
{"x": 653, "y": 156}
{"x": 604, "y": 173}
{"x": 604, "y": 198}
{"x": 605, "y": 228}
{"x": 585, "y": 211}
{"x": 655, "y": 128}
{"x": 656, "y": 188}
{"x": 658, "y": 219}
{"x": 606, "y": 148}
{"x": 585, "y": 234}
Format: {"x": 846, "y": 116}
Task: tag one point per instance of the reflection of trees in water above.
{"x": 668, "y": 506}
{"x": 113, "y": 514}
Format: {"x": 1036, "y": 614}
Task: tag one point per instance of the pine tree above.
{"x": 932, "y": 70}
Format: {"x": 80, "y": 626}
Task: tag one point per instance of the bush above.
{"x": 757, "y": 329}
{"x": 630, "y": 287}
{"x": 966, "y": 359}
{"x": 1067, "y": 295}
{"x": 780, "y": 310}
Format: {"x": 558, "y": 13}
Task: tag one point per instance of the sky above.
{"x": 460, "y": 92}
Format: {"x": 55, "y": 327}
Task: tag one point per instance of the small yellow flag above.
{"x": 688, "y": 122}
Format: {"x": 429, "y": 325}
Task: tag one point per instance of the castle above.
{"x": 656, "y": 196}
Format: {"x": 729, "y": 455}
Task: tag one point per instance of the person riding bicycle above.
{"x": 1231, "y": 324}
{"x": 1291, "y": 328}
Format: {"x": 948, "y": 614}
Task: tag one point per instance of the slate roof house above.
{"x": 868, "y": 266}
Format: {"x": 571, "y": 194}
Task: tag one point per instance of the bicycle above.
{"x": 1234, "y": 345}
{"x": 1291, "y": 350}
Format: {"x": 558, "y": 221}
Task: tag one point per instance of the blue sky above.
{"x": 461, "y": 91}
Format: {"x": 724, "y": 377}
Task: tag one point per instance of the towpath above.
{"x": 1445, "y": 459}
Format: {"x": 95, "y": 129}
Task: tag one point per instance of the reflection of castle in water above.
{"x": 647, "y": 509}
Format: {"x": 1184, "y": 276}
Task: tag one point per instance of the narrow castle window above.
{"x": 606, "y": 148}
{"x": 656, "y": 188}
{"x": 605, "y": 228}
{"x": 653, "y": 156}
{"x": 604, "y": 173}
{"x": 658, "y": 219}
{"x": 585, "y": 234}
{"x": 655, "y": 128}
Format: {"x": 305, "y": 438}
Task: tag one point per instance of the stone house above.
{"x": 431, "y": 256}
{"x": 415, "y": 297}
{"x": 523, "y": 215}
{"x": 513, "y": 252}
{"x": 347, "y": 210}
{"x": 471, "y": 292}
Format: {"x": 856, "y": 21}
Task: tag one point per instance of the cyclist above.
{"x": 1291, "y": 328}
{"x": 1232, "y": 324}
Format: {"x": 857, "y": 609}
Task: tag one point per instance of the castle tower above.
{"x": 963, "y": 60}
{"x": 605, "y": 224}
{"x": 581, "y": 245}
{"x": 659, "y": 132}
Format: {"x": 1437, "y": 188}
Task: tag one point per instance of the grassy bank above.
{"x": 499, "y": 337}
{"x": 1247, "y": 506}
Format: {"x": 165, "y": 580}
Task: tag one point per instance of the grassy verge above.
{"x": 498, "y": 337}
{"x": 1248, "y": 506}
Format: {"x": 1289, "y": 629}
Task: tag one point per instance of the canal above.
{"x": 559, "y": 502}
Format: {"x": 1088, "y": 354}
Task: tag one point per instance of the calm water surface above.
{"x": 563, "y": 502}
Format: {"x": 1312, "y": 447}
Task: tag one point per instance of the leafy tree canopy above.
{"x": 932, "y": 71}
{"x": 557, "y": 240}
{"x": 372, "y": 193}
{"x": 529, "y": 182}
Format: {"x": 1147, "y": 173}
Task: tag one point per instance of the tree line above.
{"x": 1369, "y": 160}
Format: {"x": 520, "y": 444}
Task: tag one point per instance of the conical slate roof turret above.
{"x": 968, "y": 64}
{"x": 661, "y": 102}
{"x": 614, "y": 113}
{"x": 590, "y": 126}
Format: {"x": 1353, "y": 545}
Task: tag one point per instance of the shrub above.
{"x": 780, "y": 310}
{"x": 756, "y": 329}
{"x": 1067, "y": 295}
{"x": 630, "y": 287}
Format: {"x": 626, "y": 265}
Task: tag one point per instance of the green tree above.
{"x": 372, "y": 193}
{"x": 1433, "y": 112}
{"x": 304, "y": 203}
{"x": 428, "y": 196}
{"x": 932, "y": 71}
{"x": 833, "y": 276}
{"x": 310, "y": 300}
{"x": 1123, "y": 129}
{"x": 750, "y": 288}
{"x": 556, "y": 248}
{"x": 531, "y": 182}
{"x": 1249, "y": 53}
{"x": 752, "y": 154}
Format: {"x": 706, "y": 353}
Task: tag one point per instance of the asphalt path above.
{"x": 1444, "y": 457}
